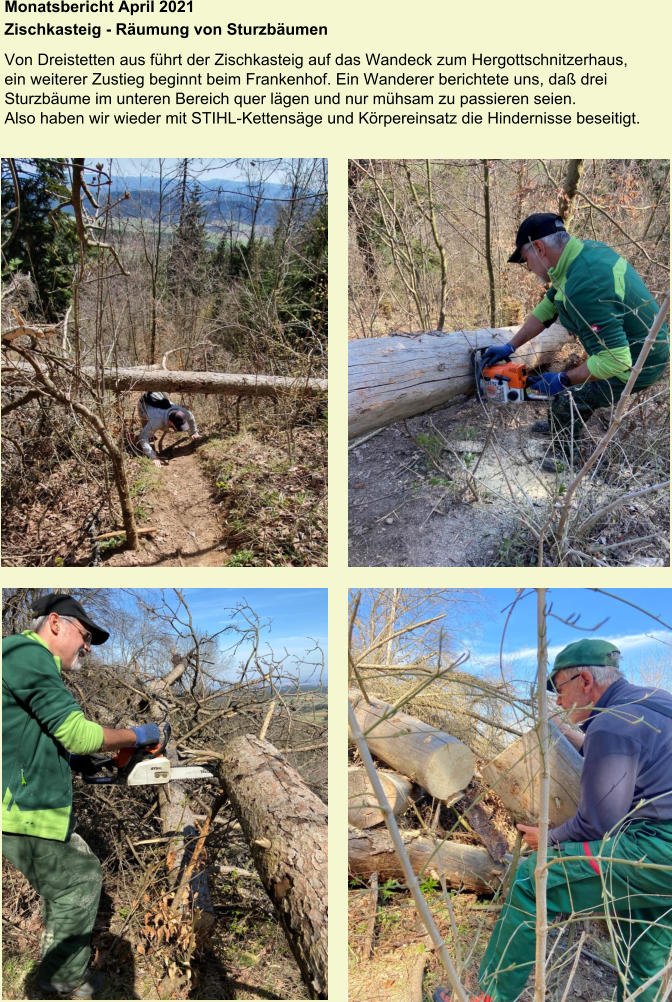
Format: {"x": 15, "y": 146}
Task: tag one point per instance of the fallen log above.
{"x": 286, "y": 827}
{"x": 463, "y": 866}
{"x": 514, "y": 776}
{"x": 436, "y": 761}
{"x": 395, "y": 377}
{"x": 144, "y": 378}
{"x": 363, "y": 809}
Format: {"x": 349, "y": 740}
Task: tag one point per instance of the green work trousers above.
{"x": 69, "y": 878}
{"x": 627, "y": 878}
{"x": 569, "y": 411}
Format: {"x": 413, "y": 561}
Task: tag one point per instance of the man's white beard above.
{"x": 75, "y": 663}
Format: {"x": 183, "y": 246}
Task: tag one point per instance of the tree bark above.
{"x": 235, "y": 384}
{"x": 488, "y": 241}
{"x": 438, "y": 762}
{"x": 465, "y": 866}
{"x": 514, "y": 776}
{"x": 567, "y": 196}
{"x": 395, "y": 377}
{"x": 363, "y": 809}
{"x": 286, "y": 826}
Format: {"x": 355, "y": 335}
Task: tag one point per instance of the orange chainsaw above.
{"x": 139, "y": 766}
{"x": 502, "y": 383}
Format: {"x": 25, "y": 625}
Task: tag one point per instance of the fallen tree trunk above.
{"x": 438, "y": 762}
{"x": 391, "y": 378}
{"x": 514, "y": 776}
{"x": 286, "y": 827}
{"x": 141, "y": 378}
{"x": 363, "y": 809}
{"x": 464, "y": 866}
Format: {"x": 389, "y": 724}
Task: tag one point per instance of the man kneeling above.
{"x": 160, "y": 414}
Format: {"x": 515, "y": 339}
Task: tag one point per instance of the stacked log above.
{"x": 363, "y": 809}
{"x": 436, "y": 761}
{"x": 467, "y": 867}
{"x": 514, "y": 776}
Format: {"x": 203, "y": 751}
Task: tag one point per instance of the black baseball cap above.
{"x": 178, "y": 419}
{"x": 536, "y": 226}
{"x": 66, "y": 605}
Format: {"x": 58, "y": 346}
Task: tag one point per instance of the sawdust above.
{"x": 459, "y": 487}
{"x": 405, "y": 512}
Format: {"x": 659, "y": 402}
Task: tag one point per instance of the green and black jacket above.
{"x": 599, "y": 297}
{"x": 41, "y": 724}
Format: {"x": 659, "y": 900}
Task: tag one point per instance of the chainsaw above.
{"x": 147, "y": 766}
{"x": 502, "y": 383}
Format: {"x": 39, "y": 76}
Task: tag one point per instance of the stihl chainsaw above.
{"x": 502, "y": 383}
{"x": 146, "y": 766}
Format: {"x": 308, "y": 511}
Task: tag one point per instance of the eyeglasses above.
{"x": 86, "y": 636}
{"x": 557, "y": 687}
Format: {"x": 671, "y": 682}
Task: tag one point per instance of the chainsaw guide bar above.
{"x": 158, "y": 770}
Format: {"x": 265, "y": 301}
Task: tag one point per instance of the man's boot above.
{"x": 90, "y": 988}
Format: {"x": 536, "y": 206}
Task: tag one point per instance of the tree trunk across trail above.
{"x": 285, "y": 824}
{"x": 234, "y": 384}
{"x": 438, "y": 762}
{"x": 395, "y": 377}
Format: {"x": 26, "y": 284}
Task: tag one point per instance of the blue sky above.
{"x": 475, "y": 620}
{"x": 642, "y": 641}
{"x": 298, "y": 616}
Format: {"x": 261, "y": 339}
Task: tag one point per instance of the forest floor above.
{"x": 252, "y": 497}
{"x": 188, "y": 523}
{"x": 456, "y": 488}
{"x": 402, "y": 956}
{"x": 246, "y": 957}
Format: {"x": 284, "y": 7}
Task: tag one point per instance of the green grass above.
{"x": 243, "y": 558}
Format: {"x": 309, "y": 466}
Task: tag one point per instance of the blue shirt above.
{"x": 627, "y": 772}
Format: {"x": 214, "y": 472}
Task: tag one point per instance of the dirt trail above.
{"x": 189, "y": 532}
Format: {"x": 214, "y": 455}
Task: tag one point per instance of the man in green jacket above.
{"x": 42, "y": 726}
{"x": 601, "y": 299}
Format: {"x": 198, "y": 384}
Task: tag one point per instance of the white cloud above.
{"x": 627, "y": 643}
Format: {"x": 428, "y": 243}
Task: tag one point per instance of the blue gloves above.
{"x": 147, "y": 734}
{"x": 550, "y": 384}
{"x": 497, "y": 353}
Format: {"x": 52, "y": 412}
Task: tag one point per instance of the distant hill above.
{"x": 223, "y": 199}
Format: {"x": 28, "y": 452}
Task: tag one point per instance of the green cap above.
{"x": 585, "y": 652}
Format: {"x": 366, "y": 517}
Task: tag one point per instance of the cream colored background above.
{"x": 638, "y": 31}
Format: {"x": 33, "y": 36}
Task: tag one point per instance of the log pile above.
{"x": 438, "y": 764}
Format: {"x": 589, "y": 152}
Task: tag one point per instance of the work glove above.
{"x": 550, "y": 383}
{"x": 146, "y": 734}
{"x": 497, "y": 353}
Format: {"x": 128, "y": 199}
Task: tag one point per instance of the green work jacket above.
{"x": 599, "y": 297}
{"x": 41, "y": 723}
